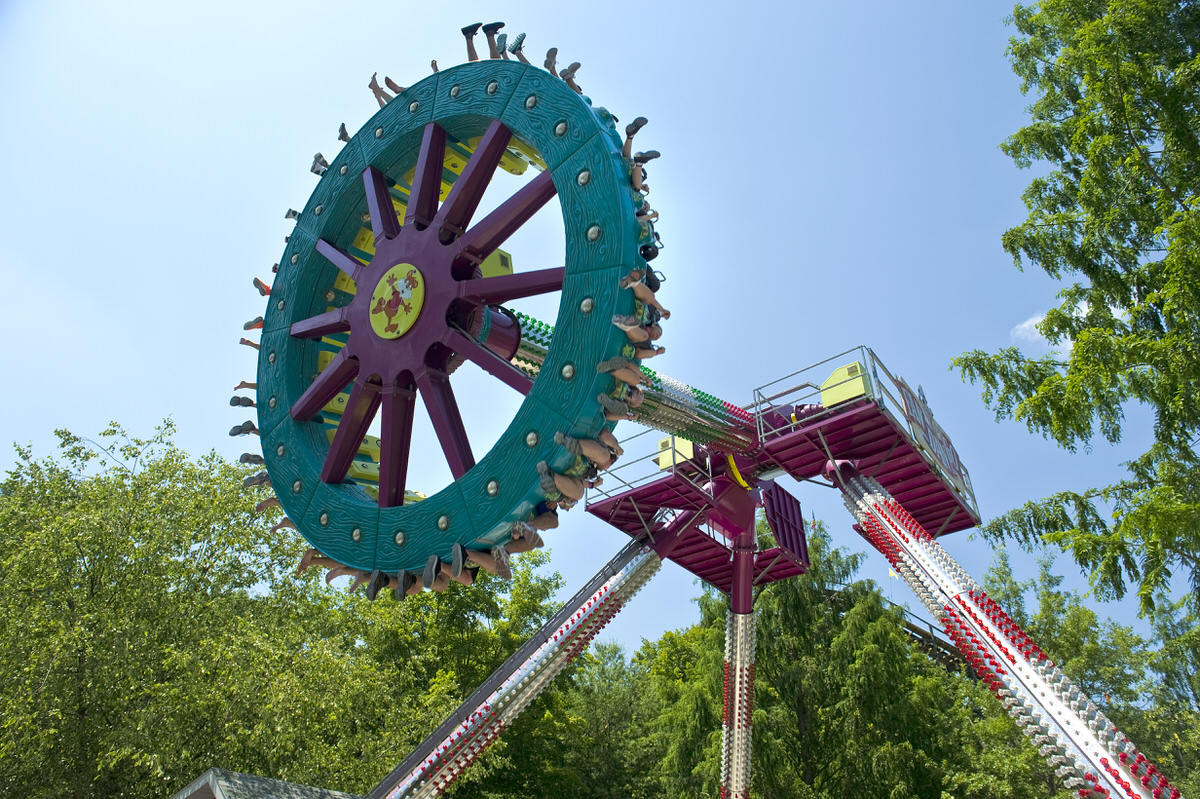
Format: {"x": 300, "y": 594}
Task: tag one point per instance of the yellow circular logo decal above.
{"x": 396, "y": 303}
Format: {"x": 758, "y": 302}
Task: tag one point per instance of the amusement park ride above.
{"x": 388, "y": 283}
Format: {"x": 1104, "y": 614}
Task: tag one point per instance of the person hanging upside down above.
{"x": 555, "y": 484}
{"x": 635, "y": 331}
{"x": 601, "y": 452}
{"x": 635, "y": 280}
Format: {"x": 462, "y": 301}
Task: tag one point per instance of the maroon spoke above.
{"x": 427, "y": 179}
{"x": 396, "y": 435}
{"x": 384, "y": 222}
{"x": 341, "y": 259}
{"x": 356, "y": 418}
{"x": 491, "y": 231}
{"x": 335, "y": 321}
{"x": 341, "y": 370}
{"x": 501, "y": 289}
{"x": 455, "y": 214}
{"x": 447, "y": 420}
{"x": 490, "y": 362}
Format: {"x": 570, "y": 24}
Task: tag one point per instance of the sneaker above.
{"x": 405, "y": 580}
{"x": 569, "y": 72}
{"x": 263, "y": 288}
{"x": 251, "y": 458}
{"x": 546, "y": 479}
{"x": 632, "y": 279}
{"x": 243, "y": 429}
{"x": 551, "y": 59}
{"x": 433, "y": 567}
{"x": 636, "y": 125}
{"x": 503, "y": 567}
{"x": 518, "y": 40}
{"x": 378, "y": 581}
{"x": 260, "y": 479}
{"x": 626, "y": 323}
{"x": 492, "y": 27}
{"x": 458, "y": 557}
{"x": 502, "y": 43}
{"x": 343, "y": 134}
{"x": 253, "y": 324}
{"x": 649, "y": 155}
{"x": 612, "y": 364}
{"x": 472, "y": 29}
{"x": 520, "y": 530}
{"x": 611, "y": 405}
{"x": 568, "y": 443}
{"x": 243, "y": 402}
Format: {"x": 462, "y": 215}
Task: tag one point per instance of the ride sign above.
{"x": 932, "y": 438}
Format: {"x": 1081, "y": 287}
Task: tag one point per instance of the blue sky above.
{"x": 830, "y": 177}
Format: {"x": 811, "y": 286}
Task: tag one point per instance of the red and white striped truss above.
{"x": 1090, "y": 754}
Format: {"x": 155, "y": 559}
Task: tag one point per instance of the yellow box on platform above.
{"x": 846, "y": 383}
{"x": 673, "y": 450}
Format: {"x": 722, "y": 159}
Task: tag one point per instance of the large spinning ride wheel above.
{"x": 419, "y": 306}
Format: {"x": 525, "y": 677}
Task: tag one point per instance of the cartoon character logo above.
{"x": 396, "y": 302}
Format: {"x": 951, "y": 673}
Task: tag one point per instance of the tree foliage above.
{"x": 1117, "y": 120}
{"x": 153, "y": 629}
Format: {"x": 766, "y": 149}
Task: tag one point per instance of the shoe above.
{"x": 612, "y": 364}
{"x": 433, "y": 567}
{"x": 433, "y": 65}
{"x": 568, "y": 443}
{"x": 253, "y": 324}
{"x": 343, "y": 134}
{"x": 378, "y": 581}
{"x": 269, "y": 502}
{"x": 503, "y": 568}
{"x": 320, "y": 159}
{"x": 520, "y": 530}
{"x": 570, "y": 71}
{"x": 458, "y": 556}
{"x": 260, "y": 479}
{"x": 649, "y": 155}
{"x": 472, "y": 29}
{"x": 316, "y": 168}
{"x": 492, "y": 27}
{"x": 243, "y": 429}
{"x": 501, "y": 43}
{"x": 626, "y": 323}
{"x": 292, "y": 213}
{"x": 613, "y": 406}
{"x": 518, "y": 40}
{"x": 636, "y": 125}
{"x": 551, "y": 56}
{"x": 546, "y": 479}
{"x": 243, "y": 402}
{"x": 632, "y": 279}
{"x": 263, "y": 288}
{"x": 251, "y": 458}
{"x": 404, "y": 581}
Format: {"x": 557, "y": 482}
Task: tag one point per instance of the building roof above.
{"x": 217, "y": 783}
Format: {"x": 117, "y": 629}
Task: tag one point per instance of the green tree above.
{"x": 154, "y": 628}
{"x": 845, "y": 703}
{"x": 1116, "y": 119}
